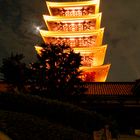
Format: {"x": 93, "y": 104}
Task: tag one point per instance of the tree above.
{"x": 57, "y": 70}
{"x": 136, "y": 89}
{"x": 14, "y": 71}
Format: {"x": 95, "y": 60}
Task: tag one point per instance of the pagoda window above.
{"x": 65, "y": 27}
{"x": 72, "y": 42}
{"x": 77, "y": 11}
{"x": 87, "y": 61}
{"x": 89, "y": 76}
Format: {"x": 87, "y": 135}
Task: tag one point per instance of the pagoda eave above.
{"x": 72, "y": 4}
{"x": 58, "y": 23}
{"x": 91, "y": 49}
{"x": 63, "y": 18}
{"x": 57, "y": 8}
{"x": 90, "y": 56}
{"x": 90, "y": 69}
{"x": 95, "y": 74}
{"x": 46, "y": 33}
{"x": 74, "y": 39}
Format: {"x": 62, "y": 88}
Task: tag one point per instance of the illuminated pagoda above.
{"x": 77, "y": 24}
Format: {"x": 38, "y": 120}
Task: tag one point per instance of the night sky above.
{"x": 121, "y": 19}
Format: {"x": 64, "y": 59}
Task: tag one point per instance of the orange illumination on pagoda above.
{"x": 77, "y": 24}
{"x": 73, "y": 8}
{"x": 80, "y": 23}
{"x": 74, "y": 39}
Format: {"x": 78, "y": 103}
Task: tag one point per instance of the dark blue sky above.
{"x": 121, "y": 19}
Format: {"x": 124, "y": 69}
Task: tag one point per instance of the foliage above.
{"x": 55, "y": 111}
{"x": 57, "y": 70}
{"x": 14, "y": 71}
{"x": 22, "y": 126}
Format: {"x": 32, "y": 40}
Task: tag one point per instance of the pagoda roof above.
{"x": 79, "y": 50}
{"x": 49, "y": 20}
{"x": 95, "y": 68}
{"x": 97, "y": 52}
{"x": 72, "y": 18}
{"x": 46, "y": 33}
{"x": 96, "y": 73}
{"x": 90, "y": 50}
{"x": 72, "y": 4}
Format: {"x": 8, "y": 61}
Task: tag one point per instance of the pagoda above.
{"x": 77, "y": 24}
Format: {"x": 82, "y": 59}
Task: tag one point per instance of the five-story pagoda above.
{"x": 77, "y": 24}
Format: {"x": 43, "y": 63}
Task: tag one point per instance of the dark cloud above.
{"x": 120, "y": 18}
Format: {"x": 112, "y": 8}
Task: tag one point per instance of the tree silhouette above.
{"x": 136, "y": 89}
{"x": 14, "y": 71}
{"x": 57, "y": 70}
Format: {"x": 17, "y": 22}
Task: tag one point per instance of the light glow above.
{"x": 38, "y": 28}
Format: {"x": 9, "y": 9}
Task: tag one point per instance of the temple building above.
{"x": 77, "y": 24}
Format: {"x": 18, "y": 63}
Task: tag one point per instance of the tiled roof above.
{"x": 109, "y": 88}
{"x": 100, "y": 88}
{"x": 3, "y": 87}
